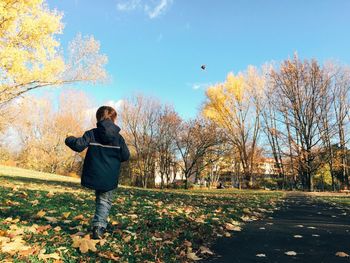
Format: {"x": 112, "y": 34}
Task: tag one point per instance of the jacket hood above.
{"x": 107, "y": 131}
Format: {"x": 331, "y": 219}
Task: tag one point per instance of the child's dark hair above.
{"x": 106, "y": 113}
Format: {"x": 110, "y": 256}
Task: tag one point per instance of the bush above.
{"x": 181, "y": 184}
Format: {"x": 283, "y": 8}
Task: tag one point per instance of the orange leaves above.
{"x": 42, "y": 229}
{"x": 190, "y": 254}
{"x": 45, "y": 257}
{"x": 65, "y": 215}
{"x": 85, "y": 243}
{"x": 127, "y": 239}
{"x": 232, "y": 227}
{"x": 205, "y": 250}
{"x": 78, "y": 217}
{"x": 51, "y": 219}
{"x": 133, "y": 216}
{"x": 109, "y": 255}
{"x": 13, "y": 245}
{"x": 35, "y": 202}
{"x": 50, "y": 194}
{"x": 40, "y": 214}
{"x": 200, "y": 219}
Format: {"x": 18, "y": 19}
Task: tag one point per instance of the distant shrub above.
{"x": 181, "y": 184}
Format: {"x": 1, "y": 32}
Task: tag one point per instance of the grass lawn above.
{"x": 46, "y": 218}
{"x": 342, "y": 201}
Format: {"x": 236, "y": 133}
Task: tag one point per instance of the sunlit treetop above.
{"x": 29, "y": 50}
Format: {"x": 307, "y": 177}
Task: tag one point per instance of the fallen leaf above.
{"x": 227, "y": 234}
{"x": 57, "y": 229}
{"x": 41, "y": 213}
{"x": 108, "y": 255}
{"x": 187, "y": 243}
{"x": 127, "y": 239}
{"x": 50, "y": 194}
{"x": 133, "y": 216}
{"x": 49, "y": 256}
{"x": 246, "y": 218}
{"x": 35, "y": 202}
{"x": 62, "y": 249}
{"x": 342, "y": 254}
{"x": 15, "y": 245}
{"x": 51, "y": 219}
{"x": 28, "y": 252}
{"x": 261, "y": 255}
{"x": 231, "y": 227}
{"x": 205, "y": 250}
{"x": 79, "y": 234}
{"x": 78, "y": 217}
{"x": 246, "y": 210}
{"x": 290, "y": 253}
{"x": 84, "y": 244}
{"x": 65, "y": 215}
{"x": 102, "y": 242}
{"x": 193, "y": 256}
{"x": 43, "y": 228}
{"x": 156, "y": 238}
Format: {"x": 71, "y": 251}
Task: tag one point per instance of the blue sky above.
{"x": 156, "y": 47}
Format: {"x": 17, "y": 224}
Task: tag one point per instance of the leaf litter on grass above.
{"x": 145, "y": 225}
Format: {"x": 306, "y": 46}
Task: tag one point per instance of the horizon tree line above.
{"x": 295, "y": 114}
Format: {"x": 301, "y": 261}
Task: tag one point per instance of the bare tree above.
{"x": 42, "y": 130}
{"x": 140, "y": 118}
{"x": 194, "y": 140}
{"x": 300, "y": 87}
{"x": 340, "y": 88}
{"x": 166, "y": 143}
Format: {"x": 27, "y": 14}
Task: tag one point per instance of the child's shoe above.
{"x": 97, "y": 232}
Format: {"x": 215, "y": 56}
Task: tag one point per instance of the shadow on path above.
{"x": 315, "y": 230}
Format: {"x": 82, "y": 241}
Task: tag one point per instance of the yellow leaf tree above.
{"x": 30, "y": 55}
{"x": 234, "y": 106}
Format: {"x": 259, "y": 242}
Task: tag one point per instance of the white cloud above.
{"x": 129, "y": 5}
{"x": 91, "y": 112}
{"x": 158, "y": 9}
{"x": 199, "y": 85}
{"x": 152, "y": 8}
{"x": 117, "y": 105}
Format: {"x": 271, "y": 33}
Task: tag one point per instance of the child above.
{"x": 106, "y": 151}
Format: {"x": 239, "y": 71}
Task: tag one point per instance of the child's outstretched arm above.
{"x": 78, "y": 144}
{"x": 125, "y": 154}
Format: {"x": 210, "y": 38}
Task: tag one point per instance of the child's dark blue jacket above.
{"x": 106, "y": 151}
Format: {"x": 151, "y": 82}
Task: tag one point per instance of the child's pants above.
{"x": 104, "y": 202}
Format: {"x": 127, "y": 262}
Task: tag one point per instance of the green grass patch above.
{"x": 343, "y": 201}
{"x": 144, "y": 226}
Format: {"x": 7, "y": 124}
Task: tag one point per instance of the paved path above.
{"x": 313, "y": 229}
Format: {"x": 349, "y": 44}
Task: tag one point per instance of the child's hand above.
{"x": 69, "y": 134}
